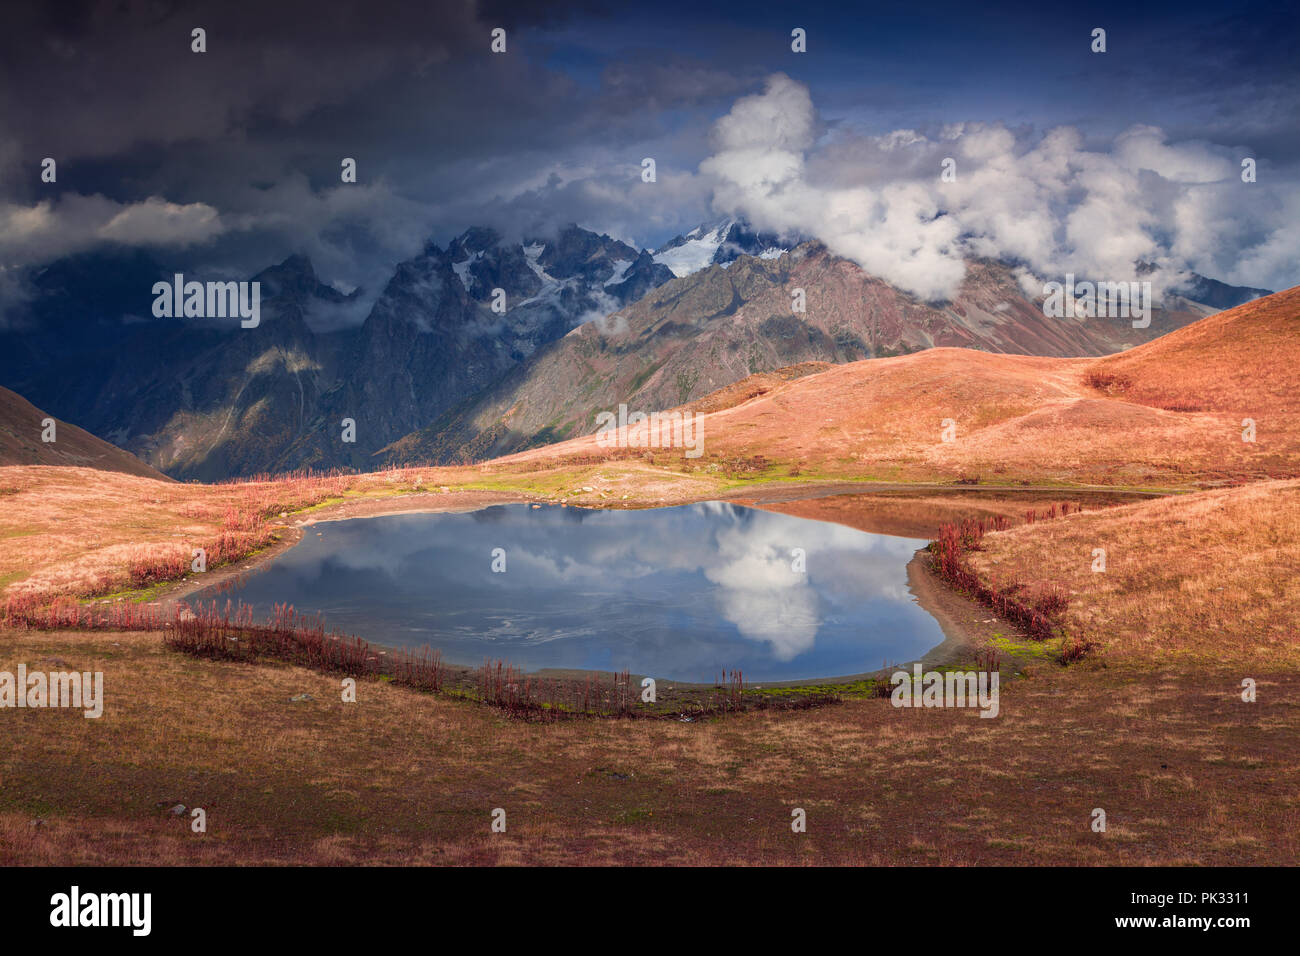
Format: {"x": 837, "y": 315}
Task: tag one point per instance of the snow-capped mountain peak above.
{"x": 719, "y": 243}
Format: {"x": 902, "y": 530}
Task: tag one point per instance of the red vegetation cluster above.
{"x": 287, "y": 637}
{"x": 232, "y": 634}
{"x": 548, "y": 699}
{"x": 243, "y": 533}
{"x": 1038, "y": 612}
{"x": 26, "y": 611}
{"x": 1031, "y": 515}
{"x": 266, "y": 496}
{"x": 245, "y": 529}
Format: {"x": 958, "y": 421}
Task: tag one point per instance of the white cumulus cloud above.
{"x": 1044, "y": 199}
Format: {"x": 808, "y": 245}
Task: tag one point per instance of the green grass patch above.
{"x": 633, "y": 816}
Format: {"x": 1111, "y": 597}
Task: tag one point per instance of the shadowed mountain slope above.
{"x": 20, "y": 442}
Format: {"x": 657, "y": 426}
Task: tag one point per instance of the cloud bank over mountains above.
{"x": 1048, "y": 200}
{"x": 227, "y": 161}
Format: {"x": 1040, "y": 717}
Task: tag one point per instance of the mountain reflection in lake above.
{"x": 676, "y": 593}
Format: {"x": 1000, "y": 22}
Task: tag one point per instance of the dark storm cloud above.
{"x": 228, "y": 161}
{"x": 233, "y": 155}
{"x": 97, "y": 78}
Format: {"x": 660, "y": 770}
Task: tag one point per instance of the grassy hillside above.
{"x": 1168, "y": 413}
{"x": 21, "y": 444}
{"x": 1243, "y": 361}
{"x": 1211, "y": 577}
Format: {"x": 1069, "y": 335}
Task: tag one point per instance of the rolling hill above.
{"x": 1169, "y": 412}
{"x": 21, "y": 444}
{"x": 1243, "y": 360}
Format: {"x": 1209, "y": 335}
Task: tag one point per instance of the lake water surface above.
{"x": 675, "y": 593}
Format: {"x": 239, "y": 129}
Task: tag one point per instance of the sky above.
{"x": 226, "y": 161}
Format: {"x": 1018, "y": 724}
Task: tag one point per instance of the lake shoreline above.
{"x": 967, "y": 626}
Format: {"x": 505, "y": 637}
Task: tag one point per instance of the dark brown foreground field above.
{"x": 1154, "y": 731}
{"x": 1186, "y": 772}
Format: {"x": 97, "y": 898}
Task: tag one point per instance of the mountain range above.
{"x": 435, "y": 373}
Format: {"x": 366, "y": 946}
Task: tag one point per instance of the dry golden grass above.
{"x": 1242, "y": 361}
{"x": 1214, "y": 576}
{"x": 1033, "y": 419}
{"x": 77, "y": 530}
{"x": 1016, "y": 419}
{"x": 61, "y": 529}
{"x": 1186, "y": 772}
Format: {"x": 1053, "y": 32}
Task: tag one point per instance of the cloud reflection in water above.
{"x": 678, "y": 593}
